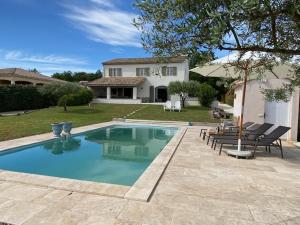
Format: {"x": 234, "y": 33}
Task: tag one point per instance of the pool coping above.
{"x": 141, "y": 190}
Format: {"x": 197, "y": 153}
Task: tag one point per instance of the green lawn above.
{"x": 191, "y": 113}
{"x": 39, "y": 121}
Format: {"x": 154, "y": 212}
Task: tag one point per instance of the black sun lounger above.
{"x": 269, "y": 140}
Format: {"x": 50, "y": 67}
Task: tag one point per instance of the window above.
{"x": 142, "y": 72}
{"x": 169, "y": 71}
{"x": 115, "y": 72}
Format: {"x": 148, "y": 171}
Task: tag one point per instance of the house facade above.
{"x": 137, "y": 80}
{"x": 259, "y": 110}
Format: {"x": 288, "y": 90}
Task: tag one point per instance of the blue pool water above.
{"x": 116, "y": 154}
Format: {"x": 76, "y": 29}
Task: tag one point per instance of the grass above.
{"x": 38, "y": 122}
{"x": 190, "y": 113}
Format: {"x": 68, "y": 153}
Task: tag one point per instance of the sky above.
{"x": 59, "y": 35}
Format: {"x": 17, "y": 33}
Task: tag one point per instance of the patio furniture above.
{"x": 223, "y": 125}
{"x": 177, "y": 106}
{"x": 168, "y": 106}
{"x": 228, "y": 130}
{"x": 247, "y": 135}
{"x": 220, "y": 113}
{"x": 269, "y": 140}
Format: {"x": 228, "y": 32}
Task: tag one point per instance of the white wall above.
{"x": 117, "y": 101}
{"x": 153, "y": 79}
{"x": 255, "y": 103}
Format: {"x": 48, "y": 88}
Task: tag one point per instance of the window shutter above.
{"x": 119, "y": 72}
{"x": 147, "y": 71}
{"x": 174, "y": 71}
{"x": 164, "y": 70}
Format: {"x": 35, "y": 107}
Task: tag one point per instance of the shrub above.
{"x": 206, "y": 94}
{"x": 19, "y": 97}
{"x": 53, "y": 91}
{"x": 84, "y": 96}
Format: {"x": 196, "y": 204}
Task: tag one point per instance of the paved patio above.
{"x": 198, "y": 187}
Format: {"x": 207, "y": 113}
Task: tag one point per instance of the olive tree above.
{"x": 174, "y": 27}
{"x": 183, "y": 89}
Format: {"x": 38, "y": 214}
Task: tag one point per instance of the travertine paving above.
{"x": 198, "y": 187}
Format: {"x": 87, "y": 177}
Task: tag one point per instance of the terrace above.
{"x": 197, "y": 187}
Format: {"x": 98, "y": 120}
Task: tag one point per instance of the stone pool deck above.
{"x": 198, "y": 187}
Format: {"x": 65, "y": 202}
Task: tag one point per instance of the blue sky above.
{"x": 58, "y": 35}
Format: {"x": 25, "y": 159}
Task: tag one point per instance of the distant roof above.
{"x": 117, "y": 81}
{"x": 20, "y": 73}
{"x": 152, "y": 60}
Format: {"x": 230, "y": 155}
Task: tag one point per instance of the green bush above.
{"x": 206, "y": 94}
{"x": 20, "y": 97}
{"x": 54, "y": 91}
{"x": 84, "y": 96}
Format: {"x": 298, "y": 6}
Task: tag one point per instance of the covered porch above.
{"x": 119, "y": 90}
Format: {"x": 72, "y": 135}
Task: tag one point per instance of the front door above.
{"x": 162, "y": 94}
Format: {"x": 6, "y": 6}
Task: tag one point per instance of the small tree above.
{"x": 55, "y": 91}
{"x": 183, "y": 89}
{"x": 206, "y": 94}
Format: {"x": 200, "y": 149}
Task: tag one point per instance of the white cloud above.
{"x": 46, "y": 64}
{"x": 105, "y": 3}
{"x": 51, "y": 59}
{"x": 104, "y": 22}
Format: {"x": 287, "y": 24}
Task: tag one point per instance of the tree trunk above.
{"x": 65, "y": 107}
{"x": 182, "y": 101}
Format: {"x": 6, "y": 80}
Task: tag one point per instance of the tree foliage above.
{"x": 206, "y": 94}
{"x": 177, "y": 26}
{"x": 272, "y": 27}
{"x": 54, "y": 91}
{"x": 77, "y": 76}
{"x": 183, "y": 89}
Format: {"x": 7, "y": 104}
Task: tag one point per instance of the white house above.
{"x": 259, "y": 110}
{"x": 137, "y": 80}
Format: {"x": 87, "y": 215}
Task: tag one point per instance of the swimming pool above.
{"x": 116, "y": 154}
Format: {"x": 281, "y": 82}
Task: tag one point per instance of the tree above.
{"x": 206, "y": 94}
{"x": 183, "y": 89}
{"x": 66, "y": 75}
{"x": 55, "y": 91}
{"x": 77, "y": 76}
{"x": 183, "y": 26}
{"x": 34, "y": 70}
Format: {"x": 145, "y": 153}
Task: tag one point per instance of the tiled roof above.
{"x": 118, "y": 81}
{"x": 153, "y": 60}
{"x": 20, "y": 73}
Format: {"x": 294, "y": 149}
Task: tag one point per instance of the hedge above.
{"x": 20, "y": 97}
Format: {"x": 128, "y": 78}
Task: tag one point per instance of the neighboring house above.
{"x": 136, "y": 80}
{"x": 259, "y": 110}
{"x": 24, "y": 77}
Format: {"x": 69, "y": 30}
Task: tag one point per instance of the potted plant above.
{"x": 57, "y": 128}
{"x": 67, "y": 127}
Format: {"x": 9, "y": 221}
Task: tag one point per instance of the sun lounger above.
{"x": 269, "y": 140}
{"x": 252, "y": 134}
